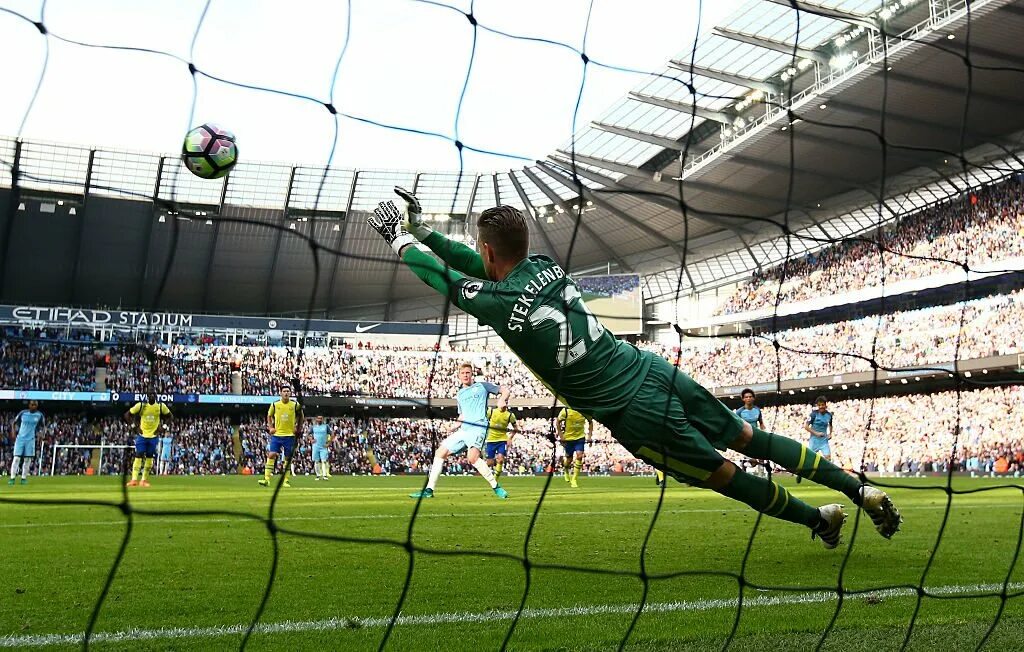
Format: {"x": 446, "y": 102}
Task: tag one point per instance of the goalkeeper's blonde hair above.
{"x": 506, "y": 230}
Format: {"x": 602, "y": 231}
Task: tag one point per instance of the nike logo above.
{"x": 362, "y": 329}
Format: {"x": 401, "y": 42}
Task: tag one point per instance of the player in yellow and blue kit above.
{"x": 574, "y": 430}
{"x": 284, "y": 420}
{"x": 500, "y": 422}
{"x": 149, "y": 423}
{"x": 321, "y": 448}
{"x": 24, "y": 428}
{"x": 660, "y": 414}
{"x": 472, "y": 400}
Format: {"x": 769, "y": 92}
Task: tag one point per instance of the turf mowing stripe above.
{"x": 371, "y": 517}
{"x": 448, "y": 618}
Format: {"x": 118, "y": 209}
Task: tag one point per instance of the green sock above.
{"x": 799, "y": 459}
{"x": 498, "y": 466}
{"x": 268, "y": 471}
{"x": 136, "y": 465}
{"x": 146, "y": 466}
{"x": 565, "y": 466}
{"x": 771, "y": 499}
{"x": 576, "y": 466}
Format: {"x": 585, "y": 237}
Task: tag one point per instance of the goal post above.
{"x": 101, "y": 446}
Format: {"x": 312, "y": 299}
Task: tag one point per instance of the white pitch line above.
{"x": 449, "y": 618}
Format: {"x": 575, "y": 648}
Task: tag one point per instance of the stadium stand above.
{"x": 903, "y": 339}
{"x": 984, "y": 226}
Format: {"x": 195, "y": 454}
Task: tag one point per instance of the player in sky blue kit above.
{"x": 748, "y": 411}
{"x": 166, "y": 444}
{"x": 321, "y": 450}
{"x": 24, "y": 429}
{"x": 819, "y": 427}
{"x": 470, "y": 436}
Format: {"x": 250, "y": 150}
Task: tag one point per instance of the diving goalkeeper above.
{"x": 657, "y": 412}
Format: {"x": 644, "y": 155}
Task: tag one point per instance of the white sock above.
{"x": 485, "y": 471}
{"x": 320, "y": 470}
{"x": 14, "y": 467}
{"x": 24, "y": 466}
{"x": 435, "y": 472}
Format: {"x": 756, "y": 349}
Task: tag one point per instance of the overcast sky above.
{"x": 404, "y": 65}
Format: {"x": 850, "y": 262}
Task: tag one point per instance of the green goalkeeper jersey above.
{"x": 539, "y": 312}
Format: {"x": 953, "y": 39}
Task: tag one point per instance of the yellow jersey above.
{"x": 498, "y": 423}
{"x": 149, "y": 417}
{"x": 285, "y": 415}
{"x": 574, "y": 424}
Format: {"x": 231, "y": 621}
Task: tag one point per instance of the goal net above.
{"x": 89, "y": 459}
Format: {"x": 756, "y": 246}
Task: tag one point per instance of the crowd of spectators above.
{"x": 975, "y": 431}
{"x": 974, "y": 329}
{"x": 929, "y": 336}
{"x": 31, "y": 358}
{"x": 616, "y": 285}
{"x": 984, "y": 226}
{"x": 399, "y": 446}
{"x": 175, "y": 369}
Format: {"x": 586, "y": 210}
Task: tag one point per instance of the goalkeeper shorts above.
{"x": 676, "y": 425}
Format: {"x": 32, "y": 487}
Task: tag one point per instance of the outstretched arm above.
{"x": 458, "y": 256}
{"x": 482, "y": 299}
{"x": 433, "y": 273}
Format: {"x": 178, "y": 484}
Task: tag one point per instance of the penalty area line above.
{"x": 449, "y": 618}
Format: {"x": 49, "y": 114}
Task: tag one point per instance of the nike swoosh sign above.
{"x": 362, "y": 329}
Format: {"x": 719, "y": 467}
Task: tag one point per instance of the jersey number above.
{"x": 569, "y": 349}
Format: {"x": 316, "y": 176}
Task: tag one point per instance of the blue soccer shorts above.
{"x": 320, "y": 453}
{"x": 496, "y": 448}
{"x": 24, "y": 447}
{"x": 462, "y": 439}
{"x": 819, "y": 445}
{"x": 573, "y": 446}
{"x": 282, "y": 445}
{"x": 145, "y": 446}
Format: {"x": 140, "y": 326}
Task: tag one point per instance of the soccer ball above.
{"x": 209, "y": 151}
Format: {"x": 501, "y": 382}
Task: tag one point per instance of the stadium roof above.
{"x": 773, "y": 118}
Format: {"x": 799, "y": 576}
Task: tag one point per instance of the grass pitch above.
{"x": 195, "y": 582}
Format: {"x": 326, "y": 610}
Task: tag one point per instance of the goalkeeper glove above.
{"x": 387, "y": 221}
{"x": 414, "y": 215}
